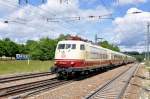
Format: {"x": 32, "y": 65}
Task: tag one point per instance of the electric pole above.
{"x": 97, "y": 38}
{"x": 20, "y": 1}
{"x": 64, "y": 1}
{"x": 43, "y": 1}
{"x": 148, "y": 41}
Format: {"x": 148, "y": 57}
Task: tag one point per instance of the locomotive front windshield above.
{"x": 67, "y": 46}
{"x": 61, "y": 46}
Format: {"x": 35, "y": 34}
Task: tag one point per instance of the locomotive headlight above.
{"x": 55, "y": 62}
{"x": 72, "y": 63}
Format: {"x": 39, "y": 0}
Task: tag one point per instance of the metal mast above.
{"x": 97, "y": 38}
{"x": 148, "y": 40}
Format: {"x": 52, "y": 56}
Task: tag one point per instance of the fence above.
{"x": 4, "y": 58}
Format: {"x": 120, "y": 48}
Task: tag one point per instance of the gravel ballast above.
{"x": 136, "y": 88}
{"x": 80, "y": 89}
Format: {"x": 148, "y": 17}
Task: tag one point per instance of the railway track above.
{"x": 24, "y": 90}
{"x": 114, "y": 88}
{"x": 23, "y": 76}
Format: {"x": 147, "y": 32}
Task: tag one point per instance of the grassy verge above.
{"x": 9, "y": 67}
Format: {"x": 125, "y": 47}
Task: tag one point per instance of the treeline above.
{"x": 139, "y": 56}
{"x": 9, "y": 48}
{"x": 44, "y": 49}
{"x": 107, "y": 45}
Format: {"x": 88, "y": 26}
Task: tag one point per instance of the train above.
{"x": 78, "y": 56}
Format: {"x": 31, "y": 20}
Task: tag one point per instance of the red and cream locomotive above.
{"x": 78, "y": 56}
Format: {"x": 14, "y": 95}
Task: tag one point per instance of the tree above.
{"x": 105, "y": 44}
{"x": 22, "y": 49}
{"x": 32, "y": 48}
{"x": 132, "y": 53}
{"x": 10, "y": 48}
{"x": 2, "y": 49}
{"x": 13, "y": 49}
{"x": 31, "y": 45}
{"x": 63, "y": 37}
{"x": 137, "y": 55}
{"x": 47, "y": 47}
{"x": 43, "y": 49}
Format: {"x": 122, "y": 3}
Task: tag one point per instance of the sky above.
{"x": 116, "y": 23}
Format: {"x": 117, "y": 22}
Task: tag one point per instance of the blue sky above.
{"x": 33, "y": 2}
{"x": 124, "y": 29}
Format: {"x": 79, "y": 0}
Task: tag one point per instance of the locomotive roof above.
{"x": 71, "y": 41}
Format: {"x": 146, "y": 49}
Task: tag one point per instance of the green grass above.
{"x": 11, "y": 67}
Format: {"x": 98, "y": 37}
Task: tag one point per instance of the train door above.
{"x": 109, "y": 57}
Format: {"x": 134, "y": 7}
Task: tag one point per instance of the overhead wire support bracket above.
{"x": 64, "y": 1}
{"x": 7, "y": 22}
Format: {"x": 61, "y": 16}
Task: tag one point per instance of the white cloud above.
{"x": 3, "y": 25}
{"x": 8, "y": 6}
{"x": 124, "y": 2}
{"x": 30, "y": 21}
{"x": 132, "y": 48}
{"x": 131, "y": 28}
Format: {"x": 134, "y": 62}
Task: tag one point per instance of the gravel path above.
{"x": 79, "y": 89}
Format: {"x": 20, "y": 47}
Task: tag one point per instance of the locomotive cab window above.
{"x": 61, "y": 46}
{"x": 73, "y": 46}
{"x": 82, "y": 47}
{"x": 68, "y": 46}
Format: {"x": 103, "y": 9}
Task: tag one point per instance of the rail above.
{"x": 24, "y": 90}
{"x": 23, "y": 76}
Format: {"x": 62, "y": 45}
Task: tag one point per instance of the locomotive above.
{"x": 75, "y": 56}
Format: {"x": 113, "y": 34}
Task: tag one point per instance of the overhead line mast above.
{"x": 63, "y": 1}
{"x": 19, "y": 1}
{"x": 97, "y": 38}
{"x": 148, "y": 41}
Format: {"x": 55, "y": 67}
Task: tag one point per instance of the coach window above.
{"x": 82, "y": 47}
{"x": 73, "y": 46}
{"x": 61, "y": 46}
